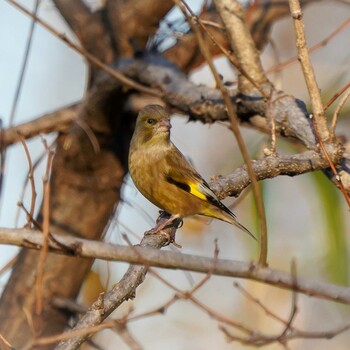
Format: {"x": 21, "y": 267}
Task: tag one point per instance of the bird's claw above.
{"x": 170, "y": 238}
{"x": 152, "y": 231}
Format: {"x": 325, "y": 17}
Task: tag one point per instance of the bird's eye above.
{"x": 151, "y": 121}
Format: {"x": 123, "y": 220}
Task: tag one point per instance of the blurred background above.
{"x": 307, "y": 216}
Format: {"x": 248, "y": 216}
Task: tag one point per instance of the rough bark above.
{"x": 85, "y": 187}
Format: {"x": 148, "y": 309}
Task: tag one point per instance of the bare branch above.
{"x": 171, "y": 260}
{"x": 31, "y": 179}
{"x": 268, "y": 167}
{"x": 242, "y": 43}
{"x": 125, "y": 289}
{"x": 337, "y": 94}
{"x": 46, "y": 231}
{"x": 338, "y": 179}
{"x": 312, "y": 49}
{"x": 88, "y": 27}
{"x": 309, "y": 75}
{"x": 133, "y": 22}
{"x": 337, "y": 111}
{"x": 56, "y": 121}
{"x": 91, "y": 58}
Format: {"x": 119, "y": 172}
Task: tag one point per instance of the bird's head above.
{"x": 152, "y": 125}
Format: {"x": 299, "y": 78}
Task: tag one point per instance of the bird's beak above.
{"x": 164, "y": 125}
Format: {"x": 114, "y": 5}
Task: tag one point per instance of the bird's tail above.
{"x": 244, "y": 229}
{"x": 228, "y": 216}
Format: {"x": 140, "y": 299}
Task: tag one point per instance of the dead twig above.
{"x": 337, "y": 111}
{"x": 331, "y": 164}
{"x": 46, "y": 231}
{"x": 91, "y": 58}
{"x": 336, "y": 95}
{"x": 312, "y": 49}
{"x": 31, "y": 179}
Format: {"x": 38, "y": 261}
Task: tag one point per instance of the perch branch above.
{"x": 146, "y": 254}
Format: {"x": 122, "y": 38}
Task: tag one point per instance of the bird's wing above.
{"x": 182, "y": 174}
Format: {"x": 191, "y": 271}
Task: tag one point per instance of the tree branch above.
{"x": 241, "y": 41}
{"x": 134, "y": 22}
{"x": 90, "y": 57}
{"x": 268, "y": 167}
{"x": 309, "y": 75}
{"x": 145, "y": 254}
{"x": 59, "y": 120}
{"x": 124, "y": 290}
{"x": 88, "y": 27}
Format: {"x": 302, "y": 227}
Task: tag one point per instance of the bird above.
{"x": 165, "y": 177}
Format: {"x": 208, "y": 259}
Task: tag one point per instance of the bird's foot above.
{"x": 170, "y": 238}
{"x": 173, "y": 219}
{"x": 152, "y": 231}
{"x": 164, "y": 224}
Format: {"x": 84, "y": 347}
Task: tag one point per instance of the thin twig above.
{"x": 256, "y": 301}
{"x": 336, "y": 95}
{"x": 20, "y": 202}
{"x": 24, "y": 64}
{"x": 90, "y": 134}
{"x": 273, "y": 125}
{"x": 31, "y": 218}
{"x": 234, "y": 126}
{"x": 337, "y": 111}
{"x": 210, "y": 272}
{"x": 74, "y": 333}
{"x": 122, "y": 330}
{"x": 5, "y": 343}
{"x": 18, "y": 92}
{"x": 231, "y": 58}
{"x": 158, "y": 310}
{"x": 312, "y": 49}
{"x": 331, "y": 164}
{"x": 46, "y": 232}
{"x": 260, "y": 340}
{"x": 8, "y": 265}
{"x": 294, "y": 307}
{"x": 91, "y": 58}
{"x": 31, "y": 179}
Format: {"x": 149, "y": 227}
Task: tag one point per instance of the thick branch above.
{"x": 133, "y": 22}
{"x": 87, "y": 175}
{"x": 186, "y": 54}
{"x": 309, "y": 74}
{"x": 88, "y": 27}
{"x": 125, "y": 289}
{"x": 241, "y": 41}
{"x": 206, "y": 104}
{"x": 52, "y": 122}
{"x": 268, "y": 167}
{"x": 146, "y": 254}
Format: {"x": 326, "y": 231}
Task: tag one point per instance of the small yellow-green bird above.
{"x": 164, "y": 176}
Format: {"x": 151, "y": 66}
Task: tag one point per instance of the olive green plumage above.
{"x": 164, "y": 176}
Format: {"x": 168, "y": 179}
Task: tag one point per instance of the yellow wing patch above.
{"x": 196, "y": 192}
